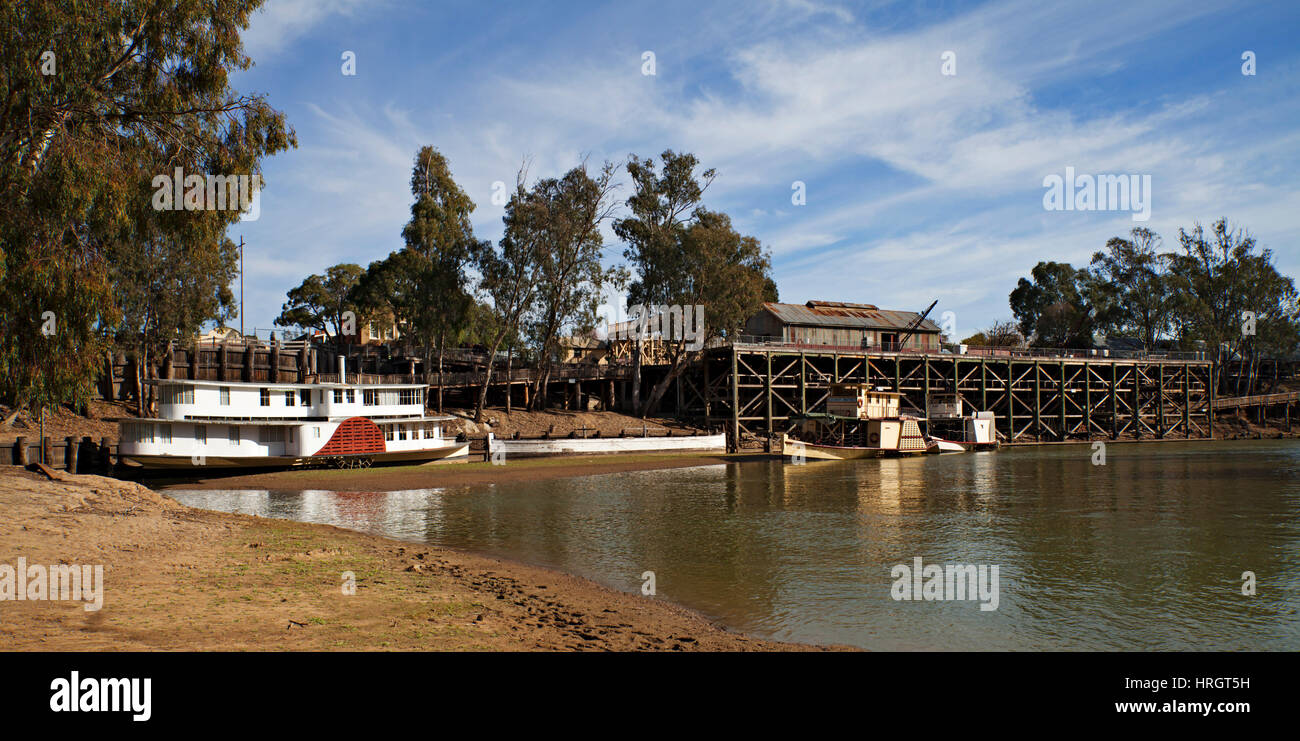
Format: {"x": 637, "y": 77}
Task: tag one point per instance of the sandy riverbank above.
{"x": 178, "y": 578}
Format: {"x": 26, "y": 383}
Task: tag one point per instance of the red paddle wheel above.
{"x": 354, "y": 436}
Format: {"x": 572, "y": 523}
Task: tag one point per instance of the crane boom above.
{"x": 911, "y": 328}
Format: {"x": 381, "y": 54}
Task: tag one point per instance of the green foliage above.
{"x": 1052, "y": 308}
{"x": 685, "y": 255}
{"x": 999, "y": 334}
{"x": 1218, "y": 276}
{"x": 137, "y": 90}
{"x": 660, "y": 205}
{"x": 560, "y": 218}
{"x": 1196, "y": 294}
{"x": 320, "y": 301}
{"x": 1130, "y": 287}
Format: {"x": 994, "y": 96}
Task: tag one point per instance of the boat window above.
{"x": 175, "y": 393}
{"x": 401, "y": 432}
{"x": 289, "y": 397}
{"x": 316, "y": 432}
{"x": 269, "y": 434}
{"x": 352, "y": 396}
{"x": 388, "y": 432}
{"x": 225, "y": 396}
{"x": 200, "y": 434}
{"x": 338, "y": 396}
{"x": 165, "y": 433}
{"x": 233, "y": 435}
{"x": 266, "y": 397}
{"x": 304, "y": 396}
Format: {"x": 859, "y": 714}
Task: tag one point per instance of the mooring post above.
{"x": 70, "y": 454}
{"x": 47, "y": 450}
{"x": 20, "y": 450}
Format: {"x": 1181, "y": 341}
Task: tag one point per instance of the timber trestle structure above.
{"x": 754, "y": 391}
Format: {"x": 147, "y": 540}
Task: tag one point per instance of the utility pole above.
{"x": 241, "y": 287}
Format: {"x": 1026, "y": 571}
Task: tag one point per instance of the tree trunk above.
{"x": 487, "y": 380}
{"x": 510, "y": 361}
{"x": 657, "y": 393}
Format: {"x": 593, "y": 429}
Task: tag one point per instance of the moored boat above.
{"x": 858, "y": 423}
{"x": 231, "y": 425}
{"x": 863, "y": 423}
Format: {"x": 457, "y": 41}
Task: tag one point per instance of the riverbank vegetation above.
{"x": 1218, "y": 291}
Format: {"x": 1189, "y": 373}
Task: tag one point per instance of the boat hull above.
{"x": 607, "y": 445}
{"x": 796, "y": 450}
{"x": 176, "y": 462}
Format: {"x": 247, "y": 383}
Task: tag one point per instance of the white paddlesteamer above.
{"x": 225, "y": 424}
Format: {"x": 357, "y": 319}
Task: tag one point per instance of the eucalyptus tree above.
{"x": 1052, "y": 308}
{"x": 1129, "y": 286}
{"x": 662, "y": 201}
{"x": 98, "y": 101}
{"x": 323, "y": 301}
{"x": 166, "y": 288}
{"x": 1219, "y": 277}
{"x": 509, "y": 275}
{"x": 717, "y": 279}
{"x": 440, "y": 245}
{"x": 564, "y": 217}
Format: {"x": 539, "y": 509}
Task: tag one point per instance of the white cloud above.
{"x": 279, "y": 23}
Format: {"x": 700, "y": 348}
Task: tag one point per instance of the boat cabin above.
{"x": 860, "y": 401}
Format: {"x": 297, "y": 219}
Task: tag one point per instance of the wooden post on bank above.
{"x": 20, "y": 451}
{"x": 70, "y": 454}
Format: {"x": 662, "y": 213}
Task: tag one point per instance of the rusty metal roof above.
{"x": 839, "y": 314}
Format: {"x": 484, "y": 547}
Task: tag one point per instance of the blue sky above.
{"x": 919, "y": 185}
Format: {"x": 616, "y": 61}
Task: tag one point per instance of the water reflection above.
{"x": 1146, "y": 552}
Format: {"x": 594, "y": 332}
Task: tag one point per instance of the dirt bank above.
{"x": 558, "y": 423}
{"x": 62, "y": 422}
{"x": 178, "y": 578}
{"x": 1239, "y": 425}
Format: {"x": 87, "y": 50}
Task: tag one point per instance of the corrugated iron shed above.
{"x": 838, "y": 314}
